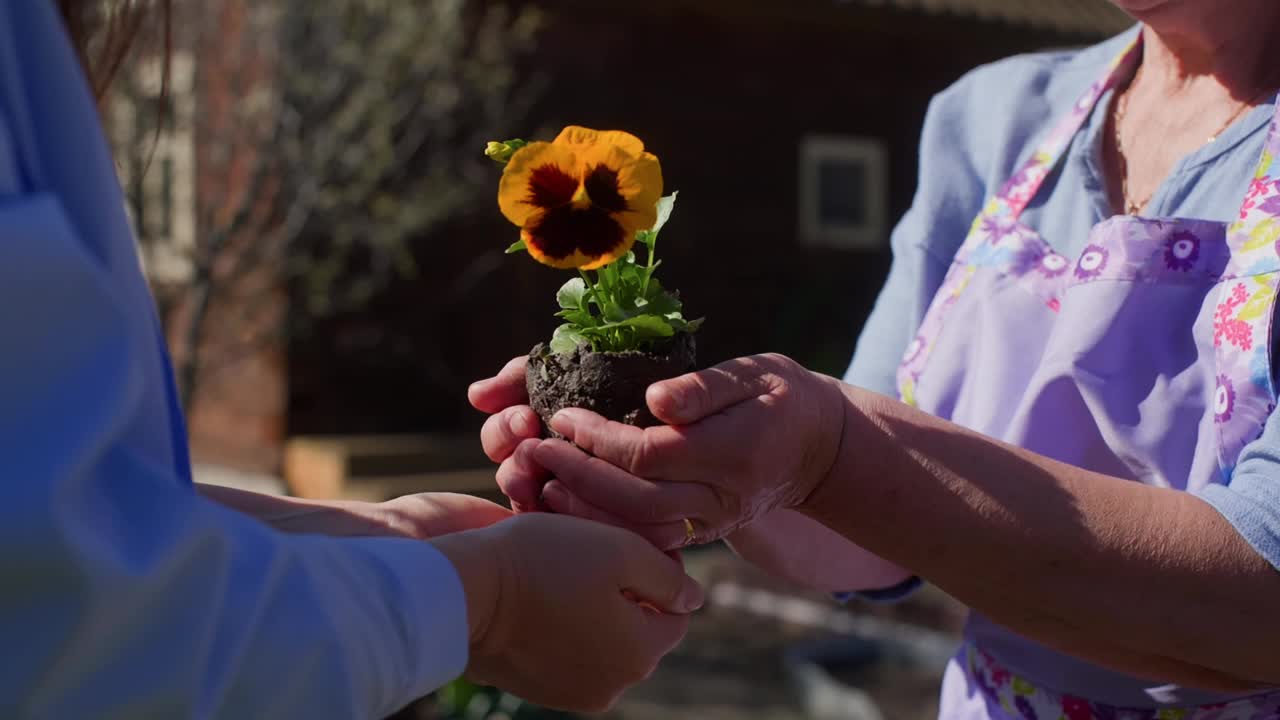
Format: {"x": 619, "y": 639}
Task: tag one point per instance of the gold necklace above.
{"x": 1131, "y": 207}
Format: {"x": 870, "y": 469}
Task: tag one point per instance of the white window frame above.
{"x": 871, "y": 152}
{"x": 167, "y": 256}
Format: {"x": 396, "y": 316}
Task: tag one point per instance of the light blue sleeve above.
{"x": 1251, "y": 501}
{"x": 949, "y": 194}
{"x": 124, "y": 594}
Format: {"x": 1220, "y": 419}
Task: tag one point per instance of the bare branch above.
{"x": 329, "y": 137}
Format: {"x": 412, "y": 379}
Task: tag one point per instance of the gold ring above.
{"x": 690, "y": 535}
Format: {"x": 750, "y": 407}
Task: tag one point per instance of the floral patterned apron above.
{"x": 1148, "y": 357}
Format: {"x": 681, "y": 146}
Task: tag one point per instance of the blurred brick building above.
{"x": 184, "y": 180}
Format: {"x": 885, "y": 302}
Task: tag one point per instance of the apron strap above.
{"x": 1025, "y": 183}
{"x": 1003, "y": 210}
{"x": 1243, "y": 323}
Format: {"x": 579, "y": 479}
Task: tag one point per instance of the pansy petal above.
{"x": 581, "y": 202}
{"x": 607, "y": 258}
{"x": 569, "y": 237}
{"x": 634, "y": 222}
{"x": 641, "y": 184}
{"x": 601, "y": 181}
{"x": 637, "y": 179}
{"x": 580, "y": 261}
{"x": 580, "y": 136}
{"x": 539, "y": 177}
{"x": 537, "y": 251}
{"x": 577, "y": 259}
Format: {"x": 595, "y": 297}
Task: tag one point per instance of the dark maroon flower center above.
{"x": 550, "y": 187}
{"x": 565, "y": 229}
{"x": 602, "y": 188}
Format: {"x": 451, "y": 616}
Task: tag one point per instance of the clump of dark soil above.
{"x": 610, "y": 384}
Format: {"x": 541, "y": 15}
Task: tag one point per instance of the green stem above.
{"x": 591, "y": 291}
{"x": 648, "y": 272}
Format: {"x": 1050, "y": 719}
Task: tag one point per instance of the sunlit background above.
{"x": 321, "y": 231}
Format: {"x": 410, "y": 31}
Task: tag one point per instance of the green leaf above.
{"x": 575, "y": 316}
{"x": 614, "y": 313}
{"x": 663, "y": 303}
{"x": 650, "y": 325}
{"x": 647, "y": 325}
{"x": 517, "y": 246}
{"x": 566, "y": 339}
{"x": 693, "y": 325}
{"x": 571, "y": 294}
{"x": 628, "y": 270}
{"x": 646, "y": 238}
{"x": 609, "y": 273}
{"x": 665, "y": 207}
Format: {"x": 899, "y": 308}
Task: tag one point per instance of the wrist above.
{"x": 336, "y": 520}
{"x": 297, "y": 516}
{"x": 827, "y": 444}
{"x": 477, "y": 561}
{"x": 841, "y": 467}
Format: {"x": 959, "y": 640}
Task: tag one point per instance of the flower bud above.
{"x": 501, "y": 152}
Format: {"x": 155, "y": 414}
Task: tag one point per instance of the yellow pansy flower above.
{"x": 580, "y": 200}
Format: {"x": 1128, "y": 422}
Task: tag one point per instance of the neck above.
{"x": 1201, "y": 47}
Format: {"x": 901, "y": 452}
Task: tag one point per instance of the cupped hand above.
{"x": 556, "y": 607}
{"x": 742, "y": 439}
{"x": 510, "y": 433}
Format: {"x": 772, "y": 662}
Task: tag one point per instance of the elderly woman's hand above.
{"x": 510, "y": 434}
{"x": 743, "y": 438}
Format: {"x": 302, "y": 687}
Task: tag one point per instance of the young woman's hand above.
{"x": 420, "y": 516}
{"x": 551, "y": 608}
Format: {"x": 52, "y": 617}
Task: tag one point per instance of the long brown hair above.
{"x": 103, "y": 31}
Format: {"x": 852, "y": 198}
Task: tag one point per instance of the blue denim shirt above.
{"x": 124, "y": 593}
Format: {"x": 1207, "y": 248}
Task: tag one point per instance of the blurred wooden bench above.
{"x": 378, "y": 467}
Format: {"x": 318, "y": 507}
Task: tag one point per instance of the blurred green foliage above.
{"x": 462, "y": 700}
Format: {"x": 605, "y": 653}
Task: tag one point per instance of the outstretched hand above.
{"x": 743, "y": 438}
{"x": 427, "y": 515}
{"x": 568, "y": 635}
{"x": 420, "y": 516}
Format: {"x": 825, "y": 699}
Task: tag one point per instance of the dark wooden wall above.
{"x": 723, "y": 94}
